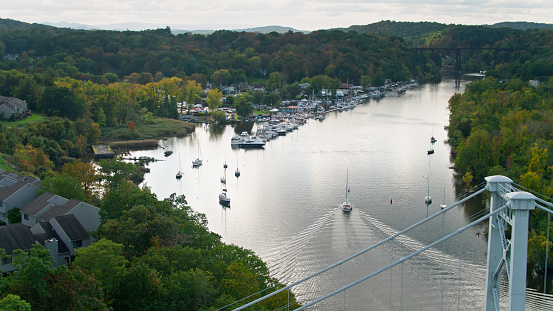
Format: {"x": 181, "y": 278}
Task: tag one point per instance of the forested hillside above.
{"x": 247, "y": 56}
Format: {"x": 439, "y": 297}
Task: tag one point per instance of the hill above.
{"x": 523, "y": 25}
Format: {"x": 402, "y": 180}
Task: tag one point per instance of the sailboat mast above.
{"x": 347, "y": 177}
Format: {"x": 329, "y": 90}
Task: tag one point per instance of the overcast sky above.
{"x": 301, "y": 15}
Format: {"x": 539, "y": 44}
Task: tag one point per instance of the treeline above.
{"x": 506, "y": 128}
{"x": 90, "y": 55}
{"x": 505, "y": 50}
{"x": 151, "y": 254}
{"x": 503, "y": 53}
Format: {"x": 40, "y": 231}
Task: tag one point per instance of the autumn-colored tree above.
{"x": 191, "y": 94}
{"x": 132, "y": 127}
{"x": 214, "y": 97}
{"x": 32, "y": 160}
{"x": 86, "y": 174}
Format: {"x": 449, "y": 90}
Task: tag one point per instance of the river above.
{"x": 285, "y": 204}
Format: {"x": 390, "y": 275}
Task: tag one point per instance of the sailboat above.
{"x": 442, "y": 206}
{"x": 224, "y": 177}
{"x": 431, "y": 150}
{"x": 224, "y": 198}
{"x": 346, "y": 206}
{"x": 237, "y": 172}
{"x": 179, "y": 173}
{"x": 198, "y": 161}
{"x": 428, "y": 198}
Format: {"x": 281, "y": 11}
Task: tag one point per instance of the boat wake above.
{"x": 432, "y": 278}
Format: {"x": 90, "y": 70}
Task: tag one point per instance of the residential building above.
{"x": 10, "y": 106}
{"x": 61, "y": 235}
{"x": 16, "y": 191}
{"x": 47, "y": 206}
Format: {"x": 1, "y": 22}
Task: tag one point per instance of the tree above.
{"x": 61, "y": 101}
{"x": 191, "y": 94}
{"x": 214, "y": 97}
{"x": 85, "y": 173}
{"x": 14, "y": 216}
{"x": 14, "y": 303}
{"x": 218, "y": 116}
{"x": 63, "y": 185}
{"x": 221, "y": 77}
{"x": 275, "y": 80}
{"x": 139, "y": 289}
{"x": 243, "y": 107}
{"x": 104, "y": 259}
{"x": 378, "y": 79}
{"x": 33, "y": 273}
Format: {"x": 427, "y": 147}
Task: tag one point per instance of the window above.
{"x": 78, "y": 243}
{"x": 26, "y": 216}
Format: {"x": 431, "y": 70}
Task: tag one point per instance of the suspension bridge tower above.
{"x": 511, "y": 254}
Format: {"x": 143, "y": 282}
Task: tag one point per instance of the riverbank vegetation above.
{"x": 151, "y": 254}
{"x": 506, "y": 128}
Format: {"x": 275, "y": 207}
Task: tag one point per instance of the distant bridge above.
{"x": 499, "y": 53}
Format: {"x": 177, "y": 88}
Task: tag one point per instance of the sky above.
{"x": 301, "y": 15}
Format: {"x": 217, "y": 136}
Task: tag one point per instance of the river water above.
{"x": 285, "y": 204}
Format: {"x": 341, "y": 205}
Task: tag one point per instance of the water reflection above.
{"x": 285, "y": 203}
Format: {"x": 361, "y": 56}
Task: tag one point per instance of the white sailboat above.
{"x": 346, "y": 205}
{"x": 442, "y": 206}
{"x": 198, "y": 161}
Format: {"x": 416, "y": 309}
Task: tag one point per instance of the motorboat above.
{"x": 197, "y": 162}
{"x": 235, "y": 140}
{"x": 252, "y": 142}
{"x": 223, "y": 180}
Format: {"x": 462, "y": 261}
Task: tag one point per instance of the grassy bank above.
{"x": 32, "y": 118}
{"x": 161, "y": 128}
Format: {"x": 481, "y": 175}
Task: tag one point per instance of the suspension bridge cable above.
{"x": 546, "y": 255}
{"x": 460, "y": 230}
{"x": 362, "y": 251}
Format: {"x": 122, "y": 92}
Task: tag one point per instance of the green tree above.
{"x": 14, "y": 216}
{"x": 218, "y": 116}
{"x": 275, "y": 80}
{"x": 378, "y": 79}
{"x": 243, "y": 107}
{"x": 104, "y": 259}
{"x": 139, "y": 289}
{"x": 63, "y": 185}
{"x": 14, "y": 303}
{"x": 221, "y": 77}
{"x": 61, "y": 101}
{"x": 33, "y": 273}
